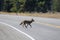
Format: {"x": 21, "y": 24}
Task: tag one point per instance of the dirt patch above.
{"x": 48, "y": 15}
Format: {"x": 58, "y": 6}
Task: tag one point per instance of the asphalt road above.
{"x": 42, "y": 28}
{"x": 9, "y": 33}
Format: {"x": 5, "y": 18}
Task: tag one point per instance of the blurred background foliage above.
{"x": 30, "y": 5}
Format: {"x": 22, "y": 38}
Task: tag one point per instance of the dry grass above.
{"x": 48, "y": 15}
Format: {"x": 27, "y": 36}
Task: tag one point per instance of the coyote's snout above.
{"x": 27, "y": 22}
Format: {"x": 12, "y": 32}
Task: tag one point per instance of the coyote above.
{"x": 25, "y": 23}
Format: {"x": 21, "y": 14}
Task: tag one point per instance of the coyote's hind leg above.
{"x": 30, "y": 26}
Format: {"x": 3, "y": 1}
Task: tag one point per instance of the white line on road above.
{"x": 18, "y": 30}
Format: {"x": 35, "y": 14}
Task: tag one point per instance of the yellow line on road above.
{"x": 48, "y": 24}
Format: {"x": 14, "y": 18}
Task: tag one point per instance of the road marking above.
{"x": 48, "y": 24}
{"x": 18, "y": 30}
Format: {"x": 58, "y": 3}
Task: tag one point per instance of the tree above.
{"x": 8, "y": 6}
{"x": 29, "y": 5}
{"x": 58, "y": 5}
{"x": 1, "y": 4}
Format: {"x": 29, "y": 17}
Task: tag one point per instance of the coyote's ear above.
{"x": 32, "y": 19}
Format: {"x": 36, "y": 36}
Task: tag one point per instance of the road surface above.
{"x": 9, "y": 33}
{"x": 42, "y": 28}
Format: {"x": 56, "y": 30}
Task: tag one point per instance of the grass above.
{"x": 47, "y": 15}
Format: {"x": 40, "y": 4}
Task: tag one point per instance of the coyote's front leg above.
{"x": 30, "y": 25}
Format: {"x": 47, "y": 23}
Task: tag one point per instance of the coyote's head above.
{"x": 32, "y": 20}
